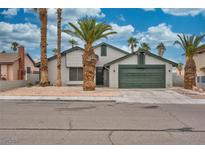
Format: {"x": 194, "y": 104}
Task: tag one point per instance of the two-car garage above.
{"x": 140, "y": 70}
{"x": 141, "y": 76}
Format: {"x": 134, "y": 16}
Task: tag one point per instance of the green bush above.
{"x": 29, "y": 84}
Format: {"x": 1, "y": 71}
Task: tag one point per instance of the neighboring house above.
{"x": 200, "y": 66}
{"x": 115, "y": 68}
{"x": 16, "y": 66}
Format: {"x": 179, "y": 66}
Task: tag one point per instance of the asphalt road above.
{"x": 59, "y": 122}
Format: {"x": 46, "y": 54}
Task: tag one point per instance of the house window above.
{"x": 103, "y": 50}
{"x": 198, "y": 79}
{"x": 76, "y": 74}
{"x": 28, "y": 69}
{"x": 203, "y": 79}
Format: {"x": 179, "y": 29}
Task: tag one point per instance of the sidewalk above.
{"x": 53, "y": 94}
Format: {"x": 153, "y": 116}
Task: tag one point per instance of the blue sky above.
{"x": 147, "y": 25}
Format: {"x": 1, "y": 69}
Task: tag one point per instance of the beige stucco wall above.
{"x": 52, "y": 64}
{"x": 133, "y": 60}
{"x": 112, "y": 54}
{"x": 11, "y": 70}
{"x": 74, "y": 59}
{"x": 15, "y": 68}
{"x": 28, "y": 63}
{"x": 4, "y": 70}
{"x": 200, "y": 62}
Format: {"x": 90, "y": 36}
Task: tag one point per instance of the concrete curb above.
{"x": 130, "y": 100}
{"x": 54, "y": 98}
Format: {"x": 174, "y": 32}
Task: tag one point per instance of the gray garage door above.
{"x": 141, "y": 76}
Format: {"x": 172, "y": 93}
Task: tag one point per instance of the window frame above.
{"x": 198, "y": 79}
{"x": 78, "y": 78}
{"x": 103, "y": 50}
{"x": 202, "y": 79}
{"x": 28, "y": 68}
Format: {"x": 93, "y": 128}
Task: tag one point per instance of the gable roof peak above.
{"x": 111, "y": 46}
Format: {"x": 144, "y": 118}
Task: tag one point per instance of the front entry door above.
{"x": 99, "y": 76}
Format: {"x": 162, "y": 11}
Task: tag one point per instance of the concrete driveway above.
{"x": 156, "y": 96}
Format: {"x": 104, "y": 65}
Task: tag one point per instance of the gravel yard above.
{"x": 60, "y": 91}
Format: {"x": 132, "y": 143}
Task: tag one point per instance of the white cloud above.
{"x": 184, "y": 12}
{"x": 10, "y": 12}
{"x": 123, "y": 32}
{"x": 180, "y": 11}
{"x": 160, "y": 33}
{"x": 71, "y": 14}
{"x": 28, "y": 35}
{"x": 149, "y": 9}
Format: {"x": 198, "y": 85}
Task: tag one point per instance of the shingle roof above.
{"x": 8, "y": 58}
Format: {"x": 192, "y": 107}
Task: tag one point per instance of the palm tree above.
{"x": 161, "y": 48}
{"x": 73, "y": 42}
{"x": 180, "y": 67}
{"x": 58, "y": 53}
{"x": 189, "y": 44}
{"x": 14, "y": 46}
{"x": 54, "y": 51}
{"x": 132, "y": 43}
{"x": 145, "y": 46}
{"x": 89, "y": 31}
{"x": 44, "y": 62}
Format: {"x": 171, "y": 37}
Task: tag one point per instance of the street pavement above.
{"x": 69, "y": 122}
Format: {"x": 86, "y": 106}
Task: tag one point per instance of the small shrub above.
{"x": 29, "y": 84}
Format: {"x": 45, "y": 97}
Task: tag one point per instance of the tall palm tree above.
{"x": 89, "y": 31}
{"x": 58, "y": 79}
{"x": 189, "y": 44}
{"x": 14, "y": 46}
{"x": 161, "y": 48}
{"x": 73, "y": 42}
{"x": 132, "y": 43}
{"x": 145, "y": 46}
{"x": 44, "y": 62}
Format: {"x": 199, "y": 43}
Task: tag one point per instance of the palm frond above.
{"x": 89, "y": 30}
{"x": 189, "y": 44}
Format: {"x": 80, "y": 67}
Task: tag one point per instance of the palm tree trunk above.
{"x": 132, "y": 48}
{"x": 58, "y": 79}
{"x": 161, "y": 52}
{"x": 44, "y": 63}
{"x": 89, "y": 68}
{"x": 190, "y": 74}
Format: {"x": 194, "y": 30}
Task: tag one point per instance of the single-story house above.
{"x": 16, "y": 66}
{"x": 115, "y": 68}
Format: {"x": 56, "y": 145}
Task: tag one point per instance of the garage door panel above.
{"x": 147, "y": 76}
